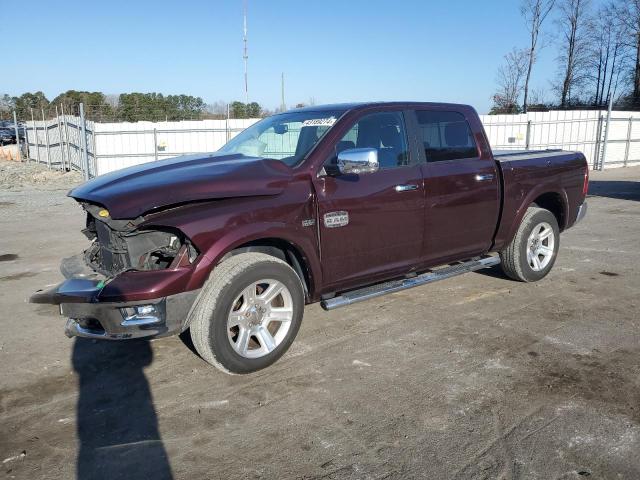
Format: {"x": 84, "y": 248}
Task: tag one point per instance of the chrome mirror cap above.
{"x": 358, "y": 161}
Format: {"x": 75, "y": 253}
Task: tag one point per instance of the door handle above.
{"x": 406, "y": 188}
{"x": 483, "y": 177}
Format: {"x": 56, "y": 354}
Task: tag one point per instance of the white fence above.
{"x": 120, "y": 145}
{"x": 111, "y": 146}
{"x": 58, "y": 143}
{"x": 582, "y": 130}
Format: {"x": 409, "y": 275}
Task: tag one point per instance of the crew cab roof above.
{"x": 361, "y": 105}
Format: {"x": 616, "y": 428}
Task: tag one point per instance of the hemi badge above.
{"x": 309, "y": 222}
{"x": 336, "y": 219}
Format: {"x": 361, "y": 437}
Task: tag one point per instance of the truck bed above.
{"x": 528, "y": 174}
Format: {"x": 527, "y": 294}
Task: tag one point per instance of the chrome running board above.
{"x": 392, "y": 286}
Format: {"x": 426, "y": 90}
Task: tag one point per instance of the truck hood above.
{"x": 133, "y": 191}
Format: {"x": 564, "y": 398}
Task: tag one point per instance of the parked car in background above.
{"x": 10, "y": 126}
{"x": 7, "y": 136}
{"x": 333, "y": 204}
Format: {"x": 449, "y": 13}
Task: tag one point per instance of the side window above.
{"x": 445, "y": 136}
{"x": 383, "y": 131}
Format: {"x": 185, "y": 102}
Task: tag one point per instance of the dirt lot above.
{"x": 474, "y": 377}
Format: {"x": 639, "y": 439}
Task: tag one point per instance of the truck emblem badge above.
{"x": 309, "y": 222}
{"x": 336, "y": 219}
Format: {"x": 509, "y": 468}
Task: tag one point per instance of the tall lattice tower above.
{"x": 245, "y": 56}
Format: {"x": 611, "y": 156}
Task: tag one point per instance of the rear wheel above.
{"x": 533, "y": 251}
{"x": 248, "y": 313}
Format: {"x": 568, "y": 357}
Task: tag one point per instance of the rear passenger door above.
{"x": 461, "y": 187}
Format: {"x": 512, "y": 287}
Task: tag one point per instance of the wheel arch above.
{"x": 553, "y": 199}
{"x": 281, "y": 249}
{"x": 556, "y": 203}
{"x": 272, "y": 239}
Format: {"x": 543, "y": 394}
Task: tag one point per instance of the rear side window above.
{"x": 445, "y": 136}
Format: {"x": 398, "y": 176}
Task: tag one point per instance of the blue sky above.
{"x": 333, "y": 51}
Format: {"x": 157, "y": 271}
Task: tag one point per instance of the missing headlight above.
{"x": 115, "y": 251}
{"x": 152, "y": 249}
{"x": 119, "y": 245}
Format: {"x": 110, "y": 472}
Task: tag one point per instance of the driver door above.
{"x": 371, "y": 225}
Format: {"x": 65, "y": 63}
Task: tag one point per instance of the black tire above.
{"x": 208, "y": 325}
{"x": 515, "y": 263}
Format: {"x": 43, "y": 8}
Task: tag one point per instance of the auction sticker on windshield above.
{"x": 319, "y": 122}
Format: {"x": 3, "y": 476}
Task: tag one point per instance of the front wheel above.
{"x": 533, "y": 251}
{"x": 248, "y": 313}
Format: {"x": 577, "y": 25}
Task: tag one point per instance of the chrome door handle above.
{"x": 406, "y": 188}
{"x": 482, "y": 178}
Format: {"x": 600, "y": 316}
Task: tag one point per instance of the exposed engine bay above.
{"x": 119, "y": 245}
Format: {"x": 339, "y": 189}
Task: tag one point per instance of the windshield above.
{"x": 287, "y": 137}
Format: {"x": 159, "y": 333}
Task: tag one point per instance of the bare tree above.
{"x": 510, "y": 79}
{"x": 574, "y": 53}
{"x": 534, "y": 12}
{"x": 629, "y": 15}
{"x": 608, "y": 53}
{"x": 538, "y": 98}
{"x": 218, "y": 109}
{"x": 620, "y": 51}
{"x": 600, "y": 49}
{"x": 112, "y": 99}
{"x": 6, "y": 102}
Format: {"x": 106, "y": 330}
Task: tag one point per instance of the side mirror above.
{"x": 358, "y": 161}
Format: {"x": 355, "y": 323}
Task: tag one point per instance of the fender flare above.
{"x": 529, "y": 199}
{"x": 251, "y": 233}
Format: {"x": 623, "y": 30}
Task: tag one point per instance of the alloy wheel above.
{"x": 260, "y": 318}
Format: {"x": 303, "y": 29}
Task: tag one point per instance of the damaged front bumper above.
{"x": 79, "y": 300}
{"x": 132, "y": 281}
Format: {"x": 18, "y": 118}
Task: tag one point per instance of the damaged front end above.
{"x": 129, "y": 283}
{"x": 119, "y": 245}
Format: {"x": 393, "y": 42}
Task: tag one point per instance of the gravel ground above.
{"x": 17, "y": 175}
{"x": 473, "y": 377}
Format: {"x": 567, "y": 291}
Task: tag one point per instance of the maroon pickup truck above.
{"x": 333, "y": 204}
